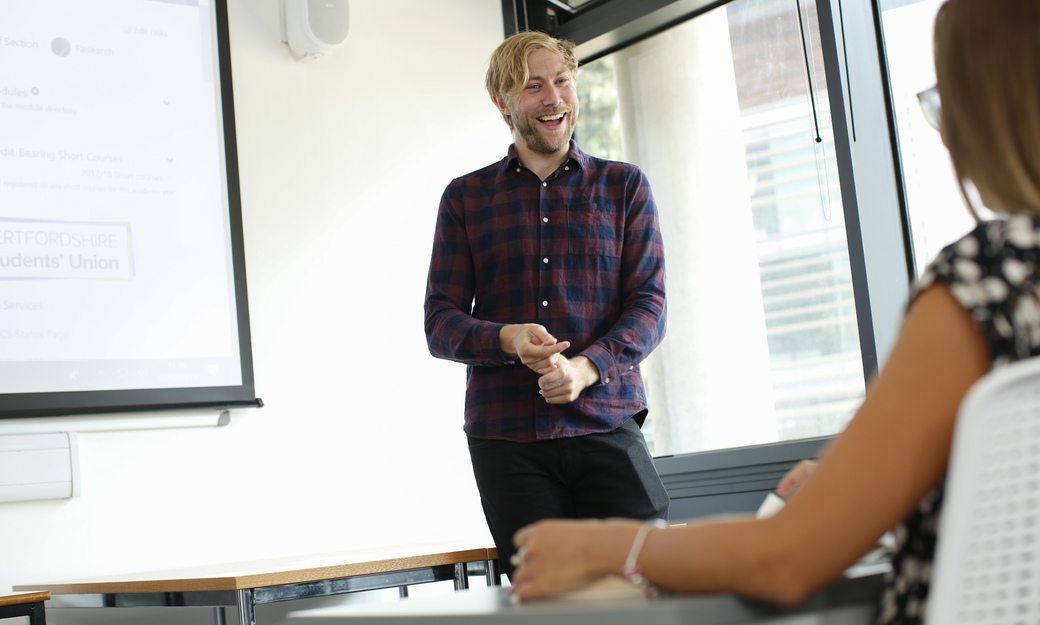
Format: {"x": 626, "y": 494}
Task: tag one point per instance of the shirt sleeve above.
{"x": 641, "y": 324}
{"x": 993, "y": 273}
{"x": 452, "y": 333}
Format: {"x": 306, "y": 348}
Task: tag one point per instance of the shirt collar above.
{"x": 574, "y": 155}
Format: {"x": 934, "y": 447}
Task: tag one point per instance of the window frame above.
{"x": 873, "y": 198}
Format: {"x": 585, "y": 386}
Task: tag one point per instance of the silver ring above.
{"x": 518, "y": 558}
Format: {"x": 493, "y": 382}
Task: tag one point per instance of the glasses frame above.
{"x": 931, "y": 107}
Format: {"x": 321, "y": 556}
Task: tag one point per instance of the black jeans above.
{"x": 610, "y": 474}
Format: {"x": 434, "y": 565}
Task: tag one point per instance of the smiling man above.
{"x": 547, "y": 280}
{"x": 543, "y": 113}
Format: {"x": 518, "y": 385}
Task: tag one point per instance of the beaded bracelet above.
{"x": 631, "y": 570}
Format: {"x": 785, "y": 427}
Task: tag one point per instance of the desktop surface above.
{"x": 851, "y": 601}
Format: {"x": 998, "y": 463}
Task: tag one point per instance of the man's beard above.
{"x": 538, "y": 142}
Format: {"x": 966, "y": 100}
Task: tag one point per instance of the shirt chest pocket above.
{"x": 588, "y": 229}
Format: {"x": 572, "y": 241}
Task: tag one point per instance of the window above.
{"x": 728, "y": 116}
{"x": 931, "y": 185}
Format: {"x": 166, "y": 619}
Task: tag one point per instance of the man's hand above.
{"x": 568, "y": 379}
{"x": 537, "y": 349}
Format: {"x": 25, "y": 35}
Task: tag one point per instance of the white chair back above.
{"x": 987, "y": 565}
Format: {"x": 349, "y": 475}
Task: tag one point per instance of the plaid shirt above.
{"x": 581, "y": 254}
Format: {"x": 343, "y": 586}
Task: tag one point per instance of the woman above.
{"x": 977, "y": 307}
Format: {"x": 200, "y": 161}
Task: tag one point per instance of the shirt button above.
{"x": 566, "y": 168}
{"x": 545, "y": 303}
{"x": 631, "y": 367}
{"x": 607, "y": 381}
{"x": 517, "y": 170}
{"x": 545, "y": 220}
{"x": 545, "y": 260}
{"x": 545, "y": 184}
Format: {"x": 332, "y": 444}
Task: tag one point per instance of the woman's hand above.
{"x": 794, "y": 478}
{"x": 557, "y": 556}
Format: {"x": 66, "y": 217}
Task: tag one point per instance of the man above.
{"x": 547, "y": 280}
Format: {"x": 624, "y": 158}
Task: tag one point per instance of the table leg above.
{"x": 37, "y": 614}
{"x": 493, "y": 572}
{"x": 461, "y": 576}
{"x": 246, "y": 614}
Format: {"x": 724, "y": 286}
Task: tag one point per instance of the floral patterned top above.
{"x": 993, "y": 272}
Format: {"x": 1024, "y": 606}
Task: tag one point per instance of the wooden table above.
{"x": 245, "y": 585}
{"x": 25, "y": 604}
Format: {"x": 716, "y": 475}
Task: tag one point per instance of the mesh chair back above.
{"x": 987, "y": 565}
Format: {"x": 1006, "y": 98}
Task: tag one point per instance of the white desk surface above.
{"x": 851, "y": 601}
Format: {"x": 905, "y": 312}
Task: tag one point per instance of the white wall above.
{"x": 360, "y": 443}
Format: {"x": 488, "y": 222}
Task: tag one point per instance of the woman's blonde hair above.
{"x": 987, "y": 65}
{"x": 507, "y": 71}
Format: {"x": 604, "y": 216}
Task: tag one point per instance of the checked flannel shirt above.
{"x": 581, "y": 254}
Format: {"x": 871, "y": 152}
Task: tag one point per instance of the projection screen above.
{"x": 122, "y": 273}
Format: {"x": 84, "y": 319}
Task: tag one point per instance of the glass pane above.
{"x": 728, "y": 116}
{"x": 931, "y": 185}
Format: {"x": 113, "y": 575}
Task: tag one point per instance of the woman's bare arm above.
{"x": 872, "y": 476}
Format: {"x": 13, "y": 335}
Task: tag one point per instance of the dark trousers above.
{"x": 604, "y": 475}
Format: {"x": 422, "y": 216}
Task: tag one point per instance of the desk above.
{"x": 851, "y": 601}
{"x": 245, "y": 585}
{"x": 27, "y": 604}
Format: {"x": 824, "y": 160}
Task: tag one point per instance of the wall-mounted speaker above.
{"x": 313, "y": 28}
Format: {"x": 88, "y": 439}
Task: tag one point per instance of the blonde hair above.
{"x": 508, "y": 72}
{"x": 987, "y": 65}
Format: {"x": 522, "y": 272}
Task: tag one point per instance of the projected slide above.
{"x": 115, "y": 255}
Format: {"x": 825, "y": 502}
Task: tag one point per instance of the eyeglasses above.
{"x": 930, "y": 106}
